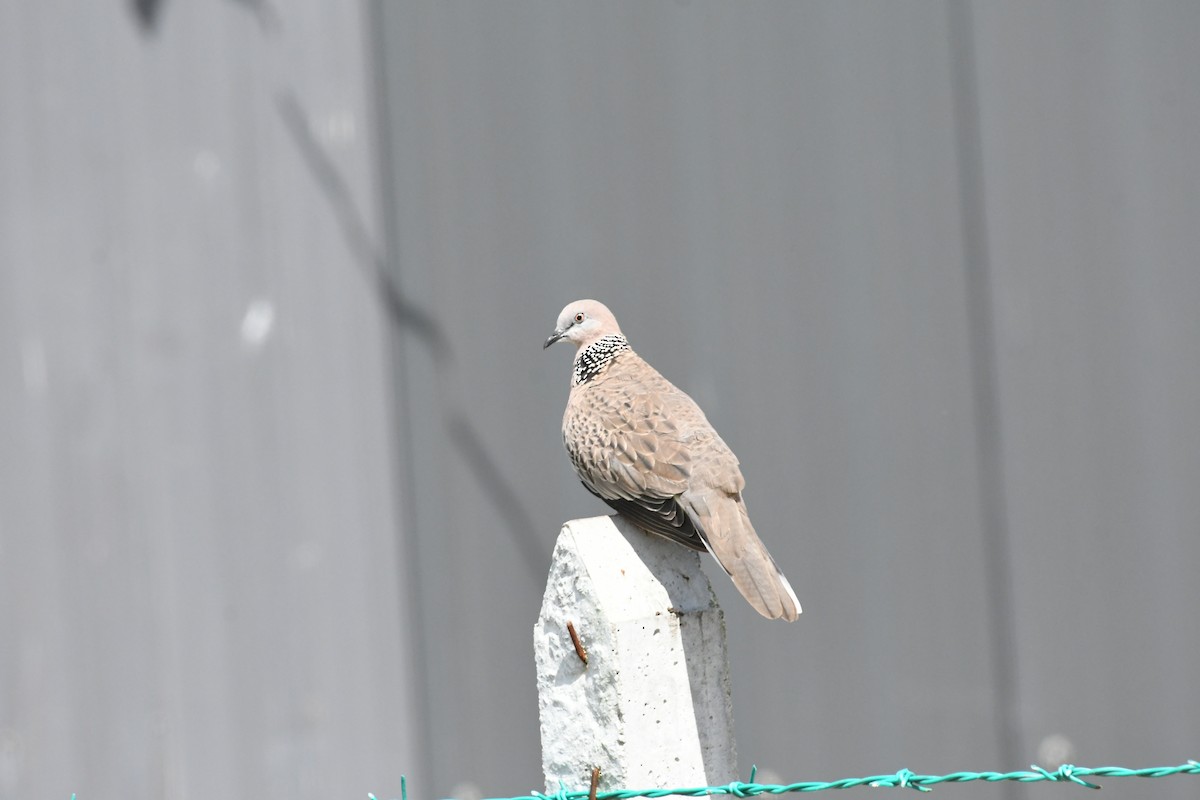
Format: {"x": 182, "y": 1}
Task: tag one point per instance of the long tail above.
{"x": 725, "y": 528}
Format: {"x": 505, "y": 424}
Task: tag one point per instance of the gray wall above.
{"x": 199, "y": 593}
{"x": 931, "y": 270}
{"x": 929, "y": 267}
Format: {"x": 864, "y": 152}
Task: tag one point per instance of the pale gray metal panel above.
{"x": 198, "y": 533}
{"x": 1089, "y": 118}
{"x": 767, "y": 195}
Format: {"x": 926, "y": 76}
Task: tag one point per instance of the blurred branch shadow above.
{"x": 403, "y": 313}
{"x": 416, "y": 321}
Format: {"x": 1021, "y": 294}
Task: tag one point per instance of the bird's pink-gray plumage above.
{"x": 645, "y": 448}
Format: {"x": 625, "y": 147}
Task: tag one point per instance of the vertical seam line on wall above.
{"x": 407, "y": 540}
{"x": 981, "y": 328}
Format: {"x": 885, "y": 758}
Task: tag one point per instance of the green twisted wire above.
{"x": 904, "y": 779}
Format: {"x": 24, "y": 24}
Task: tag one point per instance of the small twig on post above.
{"x": 579, "y": 651}
{"x": 595, "y": 783}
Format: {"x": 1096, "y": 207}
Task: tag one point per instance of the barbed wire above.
{"x": 904, "y": 779}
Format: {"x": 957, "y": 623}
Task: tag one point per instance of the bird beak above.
{"x": 554, "y": 337}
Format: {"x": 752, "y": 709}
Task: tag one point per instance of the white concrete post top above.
{"x": 651, "y": 708}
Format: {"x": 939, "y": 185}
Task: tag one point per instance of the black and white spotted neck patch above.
{"x": 596, "y": 356}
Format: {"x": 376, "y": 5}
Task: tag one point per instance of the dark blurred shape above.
{"x": 147, "y": 13}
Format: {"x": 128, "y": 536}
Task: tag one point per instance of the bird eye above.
{"x": 579, "y": 316}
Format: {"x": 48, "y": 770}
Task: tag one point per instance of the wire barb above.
{"x": 1065, "y": 772}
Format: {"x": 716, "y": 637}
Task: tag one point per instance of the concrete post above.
{"x": 651, "y": 707}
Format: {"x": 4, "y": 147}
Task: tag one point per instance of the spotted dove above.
{"x": 645, "y": 448}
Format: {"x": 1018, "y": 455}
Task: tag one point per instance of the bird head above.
{"x": 582, "y": 323}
